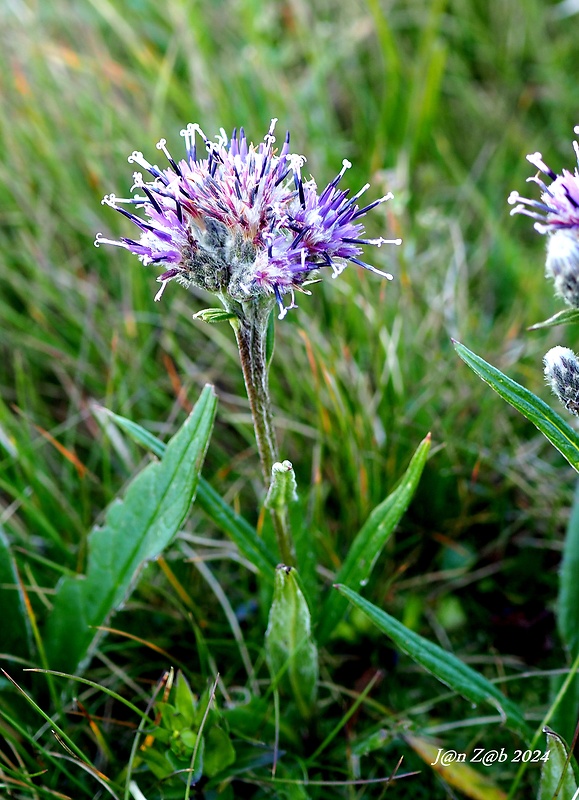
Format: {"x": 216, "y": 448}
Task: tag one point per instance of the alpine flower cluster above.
{"x": 240, "y": 220}
{"x": 556, "y": 214}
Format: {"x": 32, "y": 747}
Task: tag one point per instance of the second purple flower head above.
{"x": 557, "y": 215}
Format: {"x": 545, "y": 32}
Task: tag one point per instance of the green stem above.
{"x": 251, "y": 333}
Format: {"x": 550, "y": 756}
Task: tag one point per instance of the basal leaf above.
{"x": 371, "y": 540}
{"x": 219, "y": 512}
{"x": 442, "y": 664}
{"x": 551, "y": 425}
{"x": 136, "y": 530}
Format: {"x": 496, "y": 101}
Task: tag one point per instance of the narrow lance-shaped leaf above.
{"x": 564, "y": 718}
{"x": 219, "y": 512}
{"x": 291, "y": 650}
{"x": 443, "y": 665}
{"x": 568, "y": 316}
{"x": 370, "y": 541}
{"x": 136, "y": 530}
{"x": 556, "y": 771}
{"x": 551, "y": 425}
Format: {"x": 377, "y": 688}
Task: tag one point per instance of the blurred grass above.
{"x": 437, "y": 101}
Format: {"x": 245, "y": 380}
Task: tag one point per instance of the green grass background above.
{"x": 437, "y": 101}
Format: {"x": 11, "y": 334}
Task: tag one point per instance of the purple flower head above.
{"x": 559, "y": 205}
{"x": 242, "y": 222}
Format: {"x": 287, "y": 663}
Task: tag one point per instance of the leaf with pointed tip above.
{"x": 214, "y": 315}
{"x": 290, "y": 648}
{"x": 219, "y": 512}
{"x": 557, "y": 777}
{"x": 569, "y": 316}
{"x": 443, "y": 665}
{"x": 370, "y": 541}
{"x": 136, "y": 530}
{"x": 551, "y": 425}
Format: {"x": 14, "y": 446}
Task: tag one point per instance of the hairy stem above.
{"x": 251, "y": 334}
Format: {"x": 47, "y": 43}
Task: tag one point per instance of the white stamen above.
{"x": 543, "y": 186}
{"x": 536, "y": 159}
{"x": 345, "y": 165}
{"x": 188, "y": 134}
{"x": 296, "y": 162}
{"x": 361, "y": 191}
{"x": 521, "y": 209}
{"x": 161, "y": 145}
{"x": 100, "y": 239}
{"x": 518, "y": 209}
{"x": 338, "y": 267}
{"x": 196, "y": 128}
{"x": 269, "y": 138}
{"x": 284, "y": 309}
{"x": 379, "y": 242}
{"x": 137, "y": 157}
{"x": 161, "y": 290}
{"x": 109, "y": 200}
{"x": 386, "y": 275}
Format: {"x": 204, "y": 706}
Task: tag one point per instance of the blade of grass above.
{"x": 16, "y": 633}
{"x": 69, "y": 743}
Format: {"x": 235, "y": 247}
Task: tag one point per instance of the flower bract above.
{"x": 562, "y": 374}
